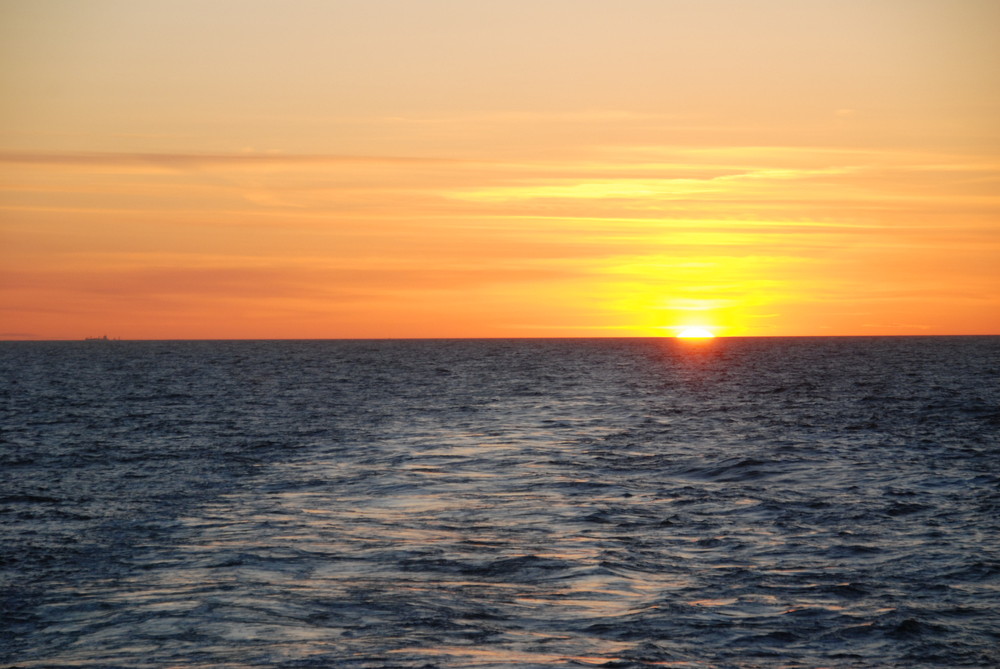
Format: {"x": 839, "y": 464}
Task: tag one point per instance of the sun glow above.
{"x": 695, "y": 333}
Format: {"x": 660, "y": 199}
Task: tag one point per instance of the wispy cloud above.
{"x": 182, "y": 161}
{"x": 622, "y": 237}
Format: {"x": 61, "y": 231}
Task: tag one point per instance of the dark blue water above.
{"x": 796, "y": 502}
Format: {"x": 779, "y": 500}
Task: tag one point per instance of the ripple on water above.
{"x": 807, "y": 502}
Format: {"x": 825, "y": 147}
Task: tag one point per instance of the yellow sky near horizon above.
{"x": 426, "y": 168}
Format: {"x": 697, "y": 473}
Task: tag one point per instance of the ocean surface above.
{"x": 772, "y": 502}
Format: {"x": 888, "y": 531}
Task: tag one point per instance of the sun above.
{"x": 695, "y": 333}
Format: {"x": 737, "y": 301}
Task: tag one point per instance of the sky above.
{"x": 247, "y": 169}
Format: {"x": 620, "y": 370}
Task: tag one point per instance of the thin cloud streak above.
{"x": 198, "y": 160}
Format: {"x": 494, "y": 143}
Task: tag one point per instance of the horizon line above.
{"x": 498, "y": 338}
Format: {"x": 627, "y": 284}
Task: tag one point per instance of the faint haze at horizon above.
{"x": 498, "y": 169}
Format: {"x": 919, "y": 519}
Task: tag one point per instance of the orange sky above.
{"x": 498, "y": 168}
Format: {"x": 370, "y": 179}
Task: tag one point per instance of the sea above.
{"x": 730, "y": 503}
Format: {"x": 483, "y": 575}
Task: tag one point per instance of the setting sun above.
{"x": 695, "y": 333}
